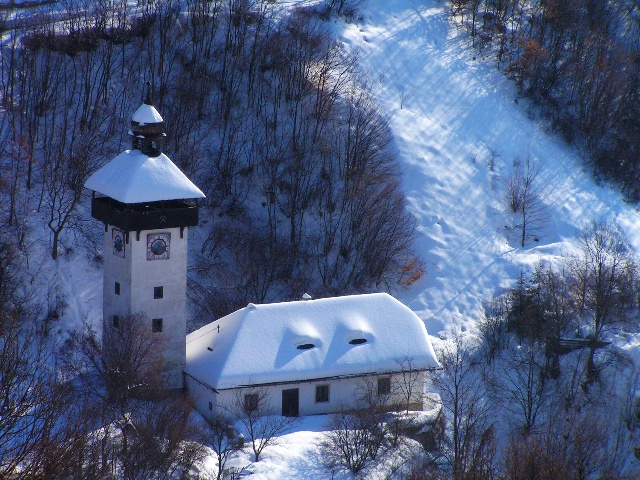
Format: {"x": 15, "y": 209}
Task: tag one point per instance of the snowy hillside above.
{"x": 459, "y": 127}
{"x": 451, "y": 112}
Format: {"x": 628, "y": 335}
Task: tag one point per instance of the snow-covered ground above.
{"x": 450, "y": 113}
{"x": 301, "y": 455}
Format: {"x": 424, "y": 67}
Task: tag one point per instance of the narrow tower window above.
{"x": 116, "y": 321}
{"x": 156, "y": 325}
{"x": 117, "y": 288}
{"x": 158, "y": 292}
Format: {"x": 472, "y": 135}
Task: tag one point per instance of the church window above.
{"x": 156, "y": 325}
{"x": 117, "y": 288}
{"x": 158, "y": 292}
{"x": 384, "y": 386}
{"x": 210, "y": 406}
{"x": 116, "y": 321}
{"x": 322, "y": 393}
{"x": 251, "y": 402}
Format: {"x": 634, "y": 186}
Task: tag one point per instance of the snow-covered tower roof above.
{"x": 305, "y": 340}
{"x": 133, "y": 177}
{"x": 134, "y": 182}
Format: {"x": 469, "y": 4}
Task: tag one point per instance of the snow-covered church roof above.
{"x": 304, "y": 340}
{"x": 133, "y": 177}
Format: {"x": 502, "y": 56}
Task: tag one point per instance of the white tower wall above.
{"x": 138, "y": 277}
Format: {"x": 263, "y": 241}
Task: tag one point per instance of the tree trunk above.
{"x": 592, "y": 371}
{"x": 54, "y": 249}
{"x": 524, "y": 224}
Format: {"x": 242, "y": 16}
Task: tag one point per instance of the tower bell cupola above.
{"x": 147, "y": 130}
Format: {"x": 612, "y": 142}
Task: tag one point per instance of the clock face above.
{"x": 158, "y": 246}
{"x": 118, "y": 239}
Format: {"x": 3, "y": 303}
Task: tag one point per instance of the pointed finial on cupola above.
{"x": 147, "y": 127}
{"x": 147, "y": 99}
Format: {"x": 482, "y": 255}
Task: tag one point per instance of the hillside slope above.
{"x": 451, "y": 113}
{"x": 458, "y": 127}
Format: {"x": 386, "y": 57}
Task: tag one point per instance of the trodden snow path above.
{"x": 450, "y": 112}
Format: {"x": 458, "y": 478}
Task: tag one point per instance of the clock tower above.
{"x": 146, "y": 205}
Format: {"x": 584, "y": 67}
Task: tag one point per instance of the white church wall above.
{"x": 202, "y": 398}
{"x": 171, "y": 275}
{"x": 343, "y": 393}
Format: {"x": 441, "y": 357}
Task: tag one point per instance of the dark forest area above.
{"x": 264, "y": 111}
{"x": 579, "y": 61}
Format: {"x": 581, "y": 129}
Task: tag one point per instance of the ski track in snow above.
{"x": 449, "y": 112}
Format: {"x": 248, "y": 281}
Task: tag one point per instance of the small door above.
{"x": 290, "y": 402}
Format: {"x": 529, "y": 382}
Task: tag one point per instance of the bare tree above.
{"x": 63, "y": 192}
{"x": 358, "y": 435}
{"x": 344, "y": 7}
{"x": 527, "y": 458}
{"x": 464, "y": 400}
{"x": 113, "y": 372}
{"x": 572, "y": 444}
{"x": 225, "y": 441}
{"x": 129, "y": 361}
{"x": 523, "y": 197}
{"x": 571, "y": 384}
{"x": 31, "y": 400}
{"x": 347, "y": 441}
{"x": 163, "y": 441}
{"x": 144, "y": 431}
{"x": 558, "y": 312}
{"x": 254, "y": 410}
{"x": 37, "y": 406}
{"x": 373, "y": 403}
{"x": 409, "y": 384}
{"x": 606, "y": 285}
{"x": 520, "y": 384}
{"x": 493, "y": 326}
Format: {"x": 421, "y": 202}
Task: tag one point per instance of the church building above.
{"x": 309, "y": 356}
